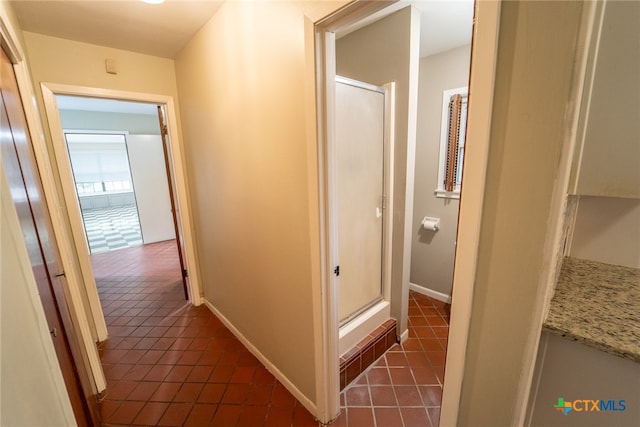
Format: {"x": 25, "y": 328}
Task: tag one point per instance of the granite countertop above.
{"x": 599, "y": 305}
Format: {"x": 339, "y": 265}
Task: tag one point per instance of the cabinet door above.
{"x": 609, "y": 158}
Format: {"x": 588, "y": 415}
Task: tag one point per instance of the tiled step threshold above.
{"x": 359, "y": 358}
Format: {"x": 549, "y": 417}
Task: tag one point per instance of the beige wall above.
{"x": 432, "y": 253}
{"x": 380, "y": 53}
{"x": 61, "y": 61}
{"x": 536, "y": 51}
{"x": 56, "y": 60}
{"x": 243, "y": 111}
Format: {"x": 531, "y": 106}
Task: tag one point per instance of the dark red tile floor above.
{"x": 168, "y": 363}
{"x": 403, "y": 388}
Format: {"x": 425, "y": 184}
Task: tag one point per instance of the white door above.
{"x": 359, "y": 189}
{"x": 152, "y": 192}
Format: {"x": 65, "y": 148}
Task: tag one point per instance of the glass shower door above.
{"x": 359, "y": 186}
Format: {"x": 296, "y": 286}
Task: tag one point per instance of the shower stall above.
{"x": 362, "y": 219}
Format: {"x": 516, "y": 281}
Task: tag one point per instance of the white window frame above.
{"x": 444, "y": 142}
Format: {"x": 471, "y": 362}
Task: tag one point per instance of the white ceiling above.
{"x": 164, "y": 29}
{"x": 154, "y": 29}
{"x": 444, "y": 24}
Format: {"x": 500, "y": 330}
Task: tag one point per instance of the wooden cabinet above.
{"x": 607, "y": 161}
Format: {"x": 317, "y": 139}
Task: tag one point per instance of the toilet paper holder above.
{"x": 430, "y": 223}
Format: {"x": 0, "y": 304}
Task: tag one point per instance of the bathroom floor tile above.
{"x": 405, "y": 385}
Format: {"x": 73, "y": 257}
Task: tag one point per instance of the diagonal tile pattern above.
{"x": 170, "y": 364}
{"x": 112, "y": 228}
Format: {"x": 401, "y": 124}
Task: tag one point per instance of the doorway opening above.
{"x": 353, "y": 30}
{"x": 148, "y": 138}
{"x": 121, "y": 182}
{"x": 106, "y": 194}
{"x": 117, "y": 160}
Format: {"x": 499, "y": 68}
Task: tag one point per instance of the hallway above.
{"x": 170, "y": 364}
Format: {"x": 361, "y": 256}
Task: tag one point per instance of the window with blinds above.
{"x": 454, "y": 120}
{"x": 100, "y": 163}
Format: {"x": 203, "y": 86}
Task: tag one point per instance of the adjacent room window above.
{"x": 452, "y": 138}
{"x": 100, "y": 163}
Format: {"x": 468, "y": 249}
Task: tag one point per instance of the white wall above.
{"x": 100, "y": 120}
{"x": 379, "y": 53}
{"x": 148, "y": 172}
{"x": 432, "y": 253}
{"x": 32, "y": 390}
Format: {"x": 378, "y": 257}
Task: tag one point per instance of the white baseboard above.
{"x": 404, "y": 336}
{"x": 311, "y": 407}
{"x": 430, "y": 293}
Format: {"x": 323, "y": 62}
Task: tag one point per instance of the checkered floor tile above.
{"x": 112, "y": 228}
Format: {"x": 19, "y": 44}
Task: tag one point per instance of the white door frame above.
{"x": 484, "y": 51}
{"x": 321, "y": 41}
{"x": 484, "y": 55}
{"x": 49, "y": 92}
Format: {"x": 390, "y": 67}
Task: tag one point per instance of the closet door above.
{"x": 19, "y": 165}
